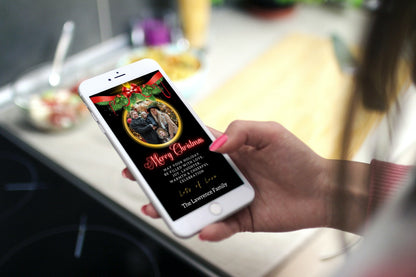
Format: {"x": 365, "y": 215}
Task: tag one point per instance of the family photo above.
{"x": 153, "y": 122}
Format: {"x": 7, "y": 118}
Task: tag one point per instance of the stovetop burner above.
{"x": 90, "y": 251}
{"x": 53, "y": 224}
{"x": 19, "y": 180}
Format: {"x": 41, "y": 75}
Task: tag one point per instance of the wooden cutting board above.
{"x": 298, "y": 83}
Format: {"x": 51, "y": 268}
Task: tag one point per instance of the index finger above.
{"x": 127, "y": 174}
{"x": 249, "y": 133}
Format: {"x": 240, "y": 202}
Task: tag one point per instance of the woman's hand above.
{"x": 291, "y": 181}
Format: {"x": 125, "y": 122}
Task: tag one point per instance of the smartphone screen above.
{"x": 166, "y": 143}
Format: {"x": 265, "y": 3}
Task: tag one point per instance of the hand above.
{"x": 290, "y": 180}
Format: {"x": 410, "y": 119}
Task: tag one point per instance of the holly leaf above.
{"x": 134, "y": 97}
{"x": 119, "y": 103}
{"x": 159, "y": 81}
{"x": 151, "y": 90}
{"x": 116, "y": 107}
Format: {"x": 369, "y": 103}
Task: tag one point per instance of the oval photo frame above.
{"x": 152, "y": 145}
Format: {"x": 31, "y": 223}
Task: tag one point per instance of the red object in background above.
{"x": 269, "y": 12}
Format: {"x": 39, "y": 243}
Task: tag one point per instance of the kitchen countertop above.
{"x": 236, "y": 37}
{"x": 235, "y": 40}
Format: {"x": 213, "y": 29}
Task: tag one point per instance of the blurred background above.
{"x": 281, "y": 60}
{"x": 30, "y": 31}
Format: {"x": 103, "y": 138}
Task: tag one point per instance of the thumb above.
{"x": 219, "y": 230}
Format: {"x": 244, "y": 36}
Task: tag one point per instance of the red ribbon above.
{"x": 127, "y": 92}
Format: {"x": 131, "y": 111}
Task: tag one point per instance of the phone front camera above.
{"x": 109, "y": 79}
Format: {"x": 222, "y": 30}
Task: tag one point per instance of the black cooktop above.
{"x": 53, "y": 224}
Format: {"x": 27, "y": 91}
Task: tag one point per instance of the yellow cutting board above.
{"x": 297, "y": 82}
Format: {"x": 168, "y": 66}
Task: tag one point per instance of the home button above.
{"x": 215, "y": 209}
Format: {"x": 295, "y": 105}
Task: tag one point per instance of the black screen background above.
{"x": 198, "y": 190}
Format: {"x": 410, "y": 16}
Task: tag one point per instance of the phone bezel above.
{"x": 194, "y": 221}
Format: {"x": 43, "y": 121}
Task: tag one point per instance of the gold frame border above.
{"x": 150, "y": 145}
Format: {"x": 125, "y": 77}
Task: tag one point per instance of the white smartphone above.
{"x": 165, "y": 146}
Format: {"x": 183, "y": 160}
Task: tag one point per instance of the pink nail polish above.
{"x": 123, "y": 173}
{"x": 144, "y": 209}
{"x": 218, "y": 142}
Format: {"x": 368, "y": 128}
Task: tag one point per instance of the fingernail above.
{"x": 218, "y": 142}
{"x": 123, "y": 173}
{"x": 201, "y": 237}
{"x": 144, "y": 207}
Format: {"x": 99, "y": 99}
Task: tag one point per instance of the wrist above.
{"x": 347, "y": 198}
